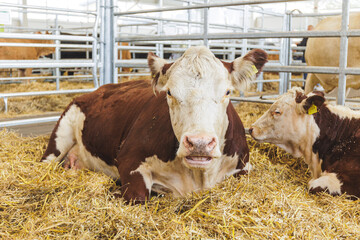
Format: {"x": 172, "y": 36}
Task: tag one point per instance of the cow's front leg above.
{"x": 313, "y": 162}
{"x": 327, "y": 182}
{"x": 133, "y": 187}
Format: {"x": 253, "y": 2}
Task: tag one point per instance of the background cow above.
{"x": 327, "y": 136}
{"x": 25, "y": 53}
{"x": 325, "y": 52}
{"x": 188, "y": 140}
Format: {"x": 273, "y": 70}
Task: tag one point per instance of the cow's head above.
{"x": 289, "y": 121}
{"x": 198, "y": 86}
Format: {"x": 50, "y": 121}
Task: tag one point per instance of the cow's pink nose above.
{"x": 199, "y": 144}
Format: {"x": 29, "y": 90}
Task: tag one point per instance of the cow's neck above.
{"x": 300, "y": 143}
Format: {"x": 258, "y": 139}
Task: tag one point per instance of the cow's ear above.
{"x": 313, "y": 102}
{"x": 245, "y": 69}
{"x": 158, "y": 67}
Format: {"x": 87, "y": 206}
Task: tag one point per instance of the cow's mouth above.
{"x": 198, "y": 160}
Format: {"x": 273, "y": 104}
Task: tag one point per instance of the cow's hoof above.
{"x": 134, "y": 197}
{"x": 247, "y": 168}
{"x": 328, "y": 183}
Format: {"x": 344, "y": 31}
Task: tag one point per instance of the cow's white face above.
{"x": 286, "y": 123}
{"x": 198, "y": 87}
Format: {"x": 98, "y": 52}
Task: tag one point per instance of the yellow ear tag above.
{"x": 312, "y": 109}
{"x": 255, "y": 71}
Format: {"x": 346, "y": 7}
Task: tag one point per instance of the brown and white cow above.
{"x": 186, "y": 138}
{"x": 327, "y": 136}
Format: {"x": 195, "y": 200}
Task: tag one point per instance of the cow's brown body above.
{"x": 326, "y": 52}
{"x": 25, "y": 53}
{"x": 338, "y": 147}
{"x": 125, "y": 124}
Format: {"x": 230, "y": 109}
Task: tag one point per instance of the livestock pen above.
{"x": 45, "y": 201}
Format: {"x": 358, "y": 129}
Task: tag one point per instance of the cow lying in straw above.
{"x": 327, "y": 136}
{"x": 187, "y": 138}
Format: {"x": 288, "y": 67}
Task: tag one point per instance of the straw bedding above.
{"x": 44, "y": 201}
{"x": 38, "y": 104}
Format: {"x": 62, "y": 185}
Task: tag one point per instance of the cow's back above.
{"x": 325, "y": 51}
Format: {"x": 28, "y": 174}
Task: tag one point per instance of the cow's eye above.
{"x": 168, "y": 92}
{"x": 277, "y": 112}
{"x": 227, "y": 92}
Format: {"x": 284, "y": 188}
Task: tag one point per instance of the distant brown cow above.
{"x": 326, "y": 52}
{"x": 327, "y": 136}
{"x": 186, "y": 138}
{"x": 25, "y": 53}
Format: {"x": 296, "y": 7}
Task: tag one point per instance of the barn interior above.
{"x": 61, "y": 49}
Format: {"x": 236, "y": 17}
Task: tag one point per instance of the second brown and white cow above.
{"x": 327, "y": 136}
{"x": 186, "y": 138}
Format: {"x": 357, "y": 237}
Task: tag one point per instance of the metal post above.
{"x": 160, "y": 46}
{"x": 343, "y": 52}
{"x": 24, "y": 19}
{"x": 189, "y": 21}
{"x": 94, "y": 55}
{"x": 102, "y": 43}
{"x": 206, "y": 24}
{"x": 109, "y": 42}
{"x": 115, "y": 48}
{"x": 260, "y": 84}
{"x": 57, "y": 53}
{"x": 245, "y": 29}
{"x": 6, "y": 104}
{"x": 284, "y": 55}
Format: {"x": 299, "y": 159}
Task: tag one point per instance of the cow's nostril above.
{"x": 188, "y": 142}
{"x": 251, "y": 130}
{"x": 211, "y": 145}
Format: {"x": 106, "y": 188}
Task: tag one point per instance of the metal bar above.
{"x": 45, "y": 8}
{"x": 200, "y": 6}
{"x": 320, "y": 14}
{"x": 10, "y": 44}
{"x": 298, "y": 34}
{"x": 180, "y": 21}
{"x": 310, "y": 69}
{"x": 343, "y": 52}
{"x": 42, "y": 93}
{"x": 64, "y": 13}
{"x": 46, "y": 37}
{"x": 44, "y": 77}
{"x": 44, "y": 64}
{"x": 244, "y": 99}
{"x": 28, "y": 121}
{"x": 138, "y": 63}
